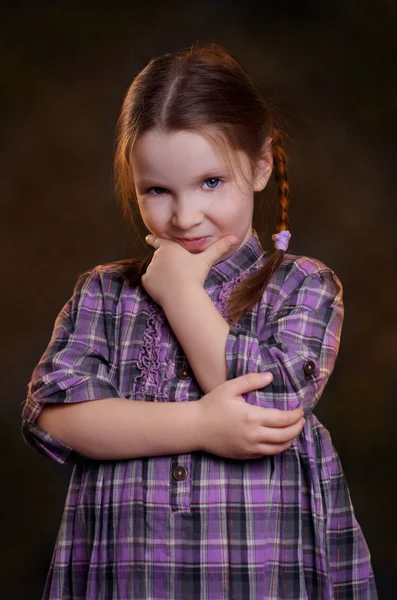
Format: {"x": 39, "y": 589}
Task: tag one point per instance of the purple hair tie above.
{"x": 281, "y": 240}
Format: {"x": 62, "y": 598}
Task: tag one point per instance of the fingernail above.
{"x": 266, "y": 377}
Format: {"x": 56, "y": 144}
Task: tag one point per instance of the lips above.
{"x": 194, "y": 243}
{"x": 192, "y": 239}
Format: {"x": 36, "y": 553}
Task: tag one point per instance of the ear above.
{"x": 264, "y": 166}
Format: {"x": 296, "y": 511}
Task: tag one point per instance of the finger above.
{"x": 270, "y": 449}
{"x": 155, "y": 241}
{"x": 248, "y": 382}
{"x": 149, "y": 239}
{"x": 274, "y": 417}
{"x": 214, "y": 252}
{"x": 274, "y": 435}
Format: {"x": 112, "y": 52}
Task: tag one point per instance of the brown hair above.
{"x": 197, "y": 89}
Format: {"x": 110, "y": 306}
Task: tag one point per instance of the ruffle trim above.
{"x": 148, "y": 362}
{"x": 226, "y": 290}
{"x": 148, "y": 359}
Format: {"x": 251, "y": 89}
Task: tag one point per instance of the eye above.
{"x": 213, "y": 179}
{"x": 155, "y": 188}
{"x": 159, "y": 191}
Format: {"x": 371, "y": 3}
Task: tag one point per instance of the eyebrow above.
{"x": 216, "y": 172}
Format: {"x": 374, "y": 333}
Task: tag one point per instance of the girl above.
{"x": 176, "y": 384}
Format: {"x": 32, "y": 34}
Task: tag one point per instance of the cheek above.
{"x": 245, "y": 205}
{"x": 152, "y": 215}
{"x": 233, "y": 209}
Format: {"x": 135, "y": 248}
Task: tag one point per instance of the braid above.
{"x": 280, "y": 174}
{"x": 251, "y": 290}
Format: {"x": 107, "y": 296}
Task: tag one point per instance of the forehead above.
{"x": 163, "y": 154}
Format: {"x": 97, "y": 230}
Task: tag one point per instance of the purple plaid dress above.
{"x": 198, "y": 526}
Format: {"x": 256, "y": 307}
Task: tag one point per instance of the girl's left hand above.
{"x": 172, "y": 267}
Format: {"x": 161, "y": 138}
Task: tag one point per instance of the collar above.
{"x": 230, "y": 268}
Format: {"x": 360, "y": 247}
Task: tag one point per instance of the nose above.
{"x": 186, "y": 215}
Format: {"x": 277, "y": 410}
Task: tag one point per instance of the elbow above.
{"x": 44, "y": 419}
{"x": 48, "y": 420}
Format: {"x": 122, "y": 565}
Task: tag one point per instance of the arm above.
{"x": 301, "y": 333}
{"x": 297, "y": 340}
{"x": 74, "y": 409}
{"x": 202, "y": 333}
{"x": 117, "y": 428}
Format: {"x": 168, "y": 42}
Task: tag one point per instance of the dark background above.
{"x": 65, "y": 67}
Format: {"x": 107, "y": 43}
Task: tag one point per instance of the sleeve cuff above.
{"x": 90, "y": 388}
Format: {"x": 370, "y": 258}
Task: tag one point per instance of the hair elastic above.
{"x": 281, "y": 240}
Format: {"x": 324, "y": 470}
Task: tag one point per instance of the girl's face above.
{"x": 184, "y": 189}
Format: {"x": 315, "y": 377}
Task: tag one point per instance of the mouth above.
{"x": 191, "y": 239}
{"x": 193, "y": 243}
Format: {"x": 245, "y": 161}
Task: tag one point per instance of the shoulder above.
{"x": 108, "y": 279}
{"x": 297, "y": 266}
{"x": 303, "y": 280}
{"x": 295, "y": 269}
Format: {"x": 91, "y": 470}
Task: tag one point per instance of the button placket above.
{"x": 180, "y": 466}
{"x": 179, "y": 473}
{"x": 309, "y": 367}
{"x": 183, "y": 370}
{"x": 180, "y": 483}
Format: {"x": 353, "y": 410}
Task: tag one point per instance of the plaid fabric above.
{"x": 274, "y": 528}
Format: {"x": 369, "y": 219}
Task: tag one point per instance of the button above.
{"x": 309, "y": 367}
{"x": 184, "y": 372}
{"x": 179, "y": 473}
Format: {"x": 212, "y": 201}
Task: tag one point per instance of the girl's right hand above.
{"x": 234, "y": 429}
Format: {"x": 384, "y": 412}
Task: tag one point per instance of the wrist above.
{"x": 195, "y": 425}
{"x": 183, "y": 295}
{"x": 201, "y": 425}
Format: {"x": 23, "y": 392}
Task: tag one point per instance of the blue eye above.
{"x": 213, "y": 179}
{"x": 152, "y": 189}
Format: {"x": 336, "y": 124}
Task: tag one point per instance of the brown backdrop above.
{"x": 65, "y": 69}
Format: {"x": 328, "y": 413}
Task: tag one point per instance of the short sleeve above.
{"x": 74, "y": 367}
{"x": 298, "y": 343}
